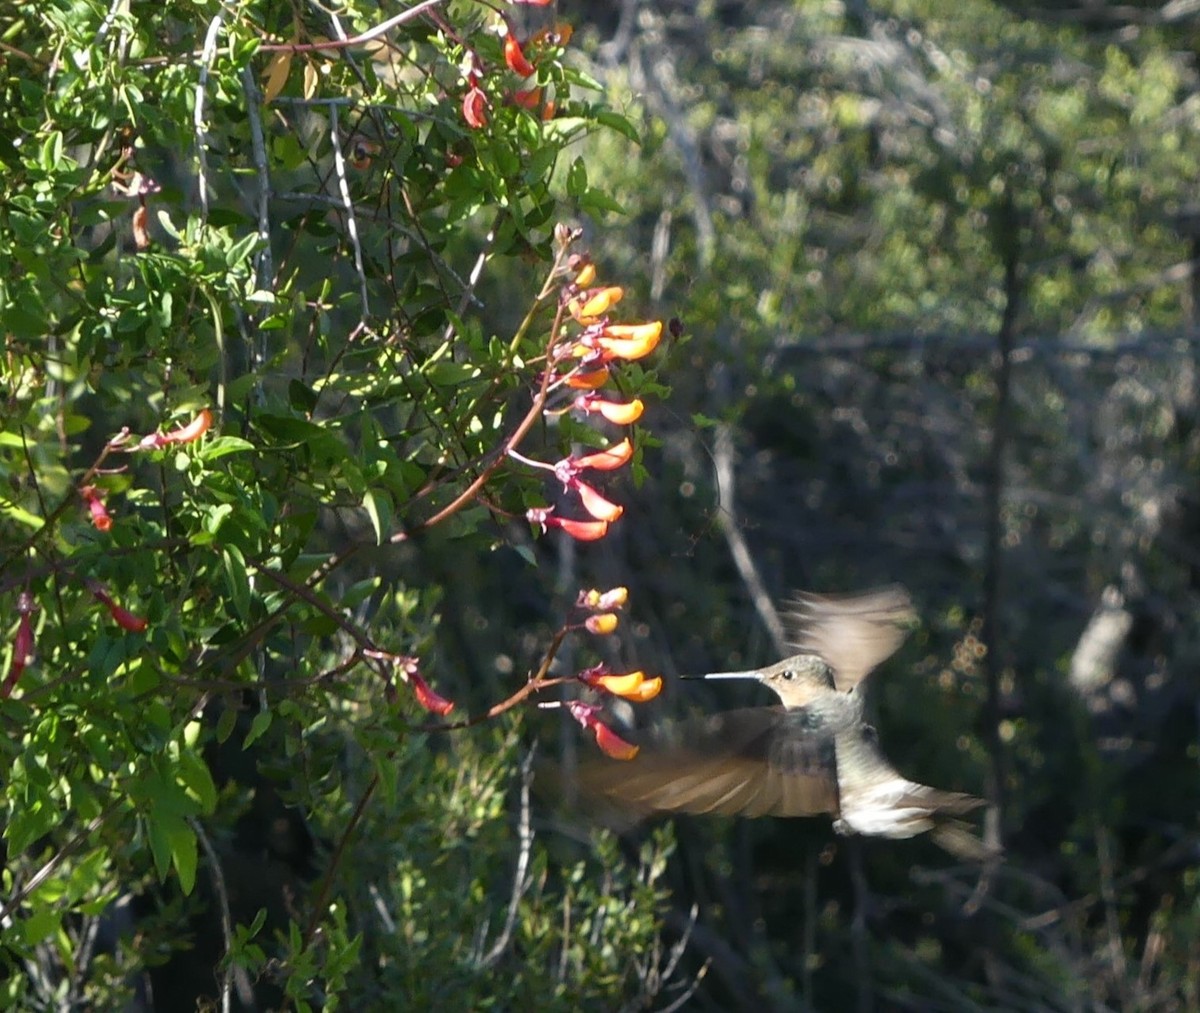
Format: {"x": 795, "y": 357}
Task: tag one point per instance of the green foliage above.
{"x": 214, "y": 216}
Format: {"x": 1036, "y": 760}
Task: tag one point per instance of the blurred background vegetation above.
{"x": 938, "y": 269}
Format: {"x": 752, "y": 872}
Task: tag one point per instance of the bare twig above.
{"x": 357, "y": 40}
{"x": 521, "y": 875}
{"x": 218, "y": 882}
{"x": 266, "y": 265}
{"x": 207, "y": 55}
{"x": 994, "y": 534}
{"x": 727, "y": 518}
{"x": 339, "y": 168}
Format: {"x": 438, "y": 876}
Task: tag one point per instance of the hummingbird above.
{"x": 814, "y": 753}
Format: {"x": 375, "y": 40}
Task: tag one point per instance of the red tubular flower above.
{"x": 530, "y": 99}
{"x": 623, "y": 413}
{"x": 581, "y": 531}
{"x": 121, "y": 616}
{"x": 608, "y": 459}
{"x": 610, "y": 743}
{"x": 126, "y": 619}
{"x": 474, "y": 107}
{"x": 602, "y": 624}
{"x": 427, "y": 698}
{"x": 22, "y": 648}
{"x": 595, "y": 504}
{"x": 101, "y": 521}
{"x": 184, "y": 434}
{"x": 515, "y": 57}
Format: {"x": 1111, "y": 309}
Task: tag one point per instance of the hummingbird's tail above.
{"x": 958, "y": 838}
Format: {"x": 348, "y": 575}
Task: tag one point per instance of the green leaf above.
{"x": 241, "y": 249}
{"x": 261, "y": 722}
{"x": 181, "y": 840}
{"x": 225, "y": 724}
{"x": 577, "y": 178}
{"x": 237, "y": 579}
{"x": 223, "y": 446}
{"x": 194, "y": 773}
{"x": 378, "y": 505}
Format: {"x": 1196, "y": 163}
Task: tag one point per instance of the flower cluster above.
{"x": 582, "y": 358}
{"x": 521, "y": 59}
{"x": 635, "y": 687}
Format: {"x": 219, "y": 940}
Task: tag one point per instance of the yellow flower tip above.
{"x": 622, "y": 414}
{"x": 602, "y": 624}
{"x": 586, "y": 275}
{"x": 630, "y": 342}
{"x": 620, "y": 685}
{"x": 635, "y": 332}
{"x": 646, "y": 690}
{"x": 588, "y": 306}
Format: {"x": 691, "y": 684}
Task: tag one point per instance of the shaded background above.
{"x": 938, "y": 267}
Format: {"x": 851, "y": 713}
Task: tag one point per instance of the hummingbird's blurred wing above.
{"x": 853, "y": 633}
{"x": 760, "y": 761}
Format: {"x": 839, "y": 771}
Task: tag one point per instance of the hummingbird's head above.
{"x": 797, "y": 680}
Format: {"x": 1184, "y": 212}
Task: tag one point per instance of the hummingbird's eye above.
{"x": 789, "y": 675}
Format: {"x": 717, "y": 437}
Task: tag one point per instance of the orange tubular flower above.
{"x": 623, "y": 413}
{"x": 101, "y": 521}
{"x": 632, "y": 686}
{"x": 581, "y": 531}
{"x": 515, "y": 58}
{"x": 595, "y": 504}
{"x": 608, "y": 459}
{"x": 184, "y": 434}
{"x": 629, "y": 341}
{"x": 588, "y": 306}
{"x": 601, "y": 625}
{"x": 589, "y": 380}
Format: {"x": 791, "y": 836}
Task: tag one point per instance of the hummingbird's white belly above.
{"x": 884, "y": 810}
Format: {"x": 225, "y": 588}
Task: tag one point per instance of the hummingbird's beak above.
{"x": 752, "y": 673}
